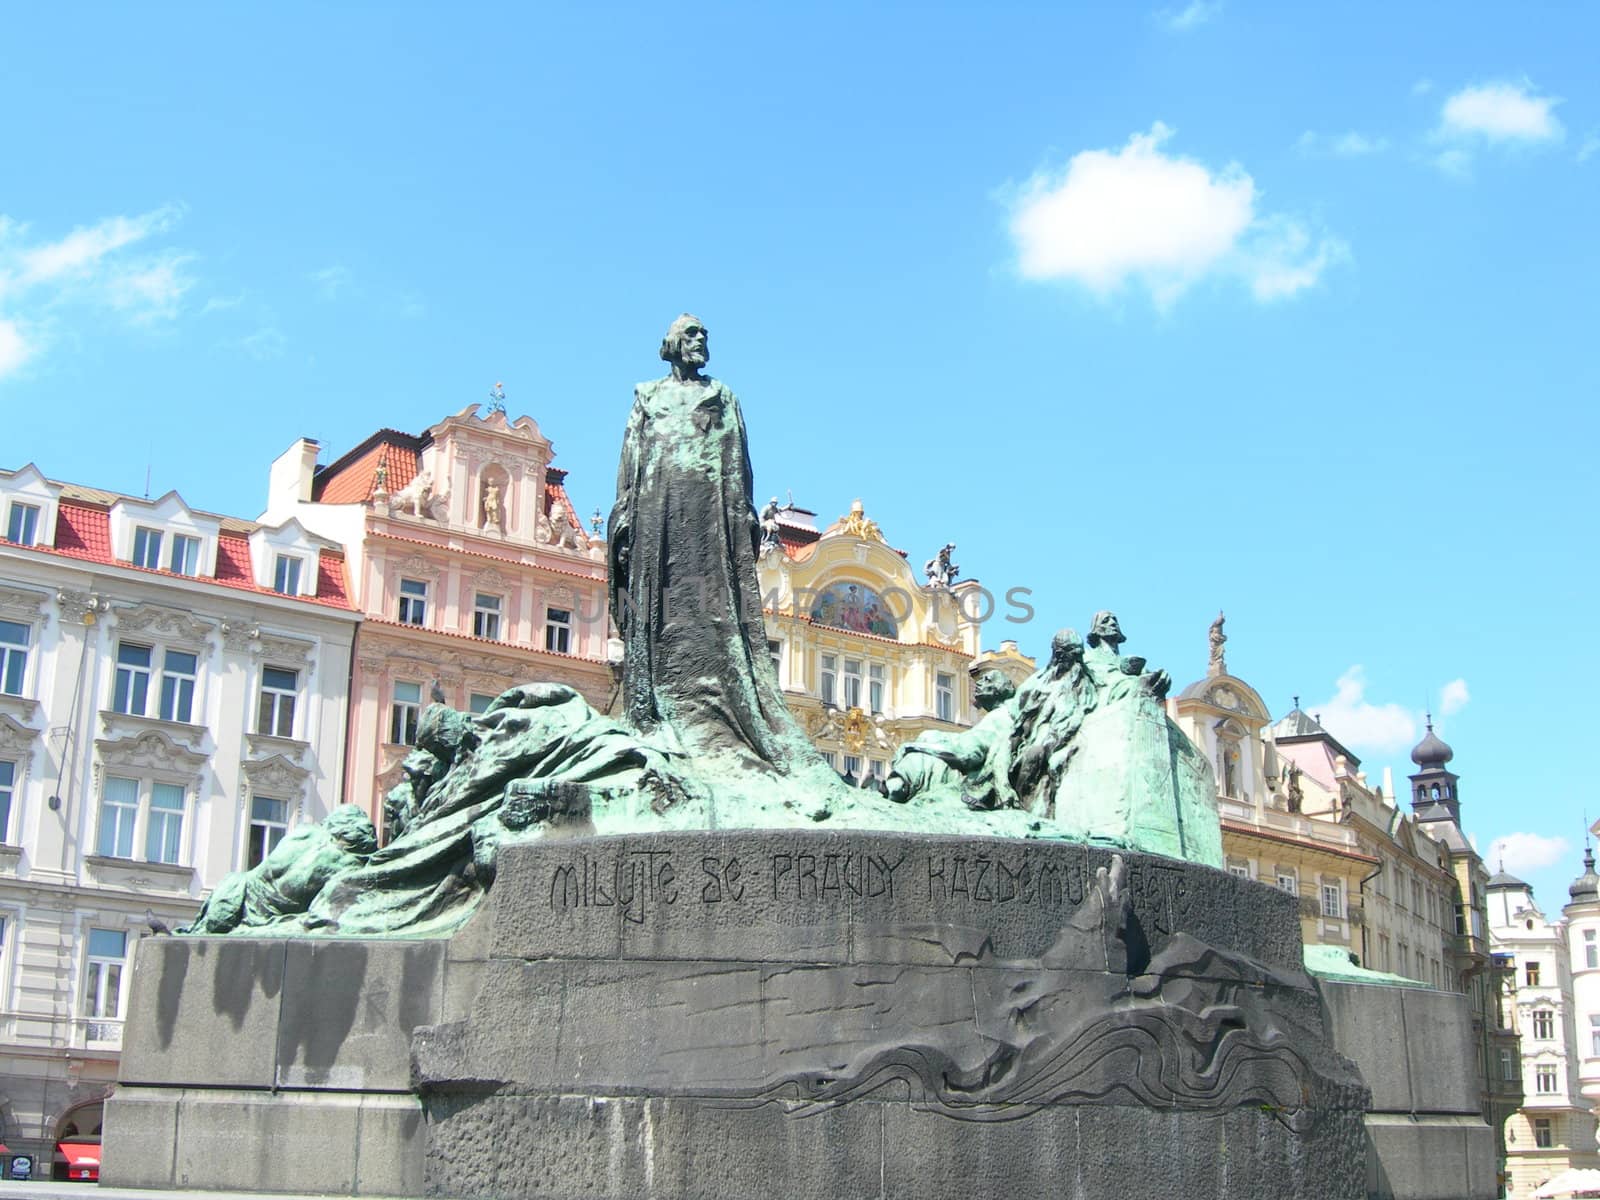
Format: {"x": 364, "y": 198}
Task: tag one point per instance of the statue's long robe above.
{"x": 695, "y": 670}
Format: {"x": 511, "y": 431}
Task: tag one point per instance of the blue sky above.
{"x": 1236, "y": 306}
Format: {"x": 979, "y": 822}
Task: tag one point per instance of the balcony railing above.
{"x": 1295, "y": 825}
{"x": 97, "y": 1033}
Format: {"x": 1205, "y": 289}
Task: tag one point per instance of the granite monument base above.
{"x": 721, "y": 1014}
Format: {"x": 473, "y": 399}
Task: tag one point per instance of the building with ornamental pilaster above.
{"x": 172, "y": 703}
{"x": 1554, "y": 1130}
{"x": 470, "y": 564}
{"x": 868, "y": 655}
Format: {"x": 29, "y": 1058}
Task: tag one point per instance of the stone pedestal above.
{"x": 731, "y": 1014}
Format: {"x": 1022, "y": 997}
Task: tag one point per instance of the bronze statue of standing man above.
{"x": 696, "y": 672}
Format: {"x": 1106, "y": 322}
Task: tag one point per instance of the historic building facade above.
{"x": 1554, "y": 1130}
{"x": 868, "y": 654}
{"x": 471, "y": 566}
{"x": 172, "y": 702}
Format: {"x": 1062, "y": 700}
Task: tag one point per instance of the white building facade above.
{"x": 172, "y": 702}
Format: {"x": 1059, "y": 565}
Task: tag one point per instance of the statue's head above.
{"x": 685, "y": 343}
{"x": 992, "y": 689}
{"x": 1105, "y": 629}
{"x": 350, "y": 826}
{"x": 445, "y": 732}
{"x": 1066, "y": 646}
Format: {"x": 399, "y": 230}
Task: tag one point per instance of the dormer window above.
{"x": 147, "y": 547}
{"x": 286, "y": 574}
{"x": 185, "y": 556}
{"x": 22, "y": 523}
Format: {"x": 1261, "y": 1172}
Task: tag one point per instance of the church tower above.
{"x": 1434, "y": 786}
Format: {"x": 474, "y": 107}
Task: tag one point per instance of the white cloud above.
{"x": 1525, "y": 853}
{"x": 1453, "y": 697}
{"x": 1193, "y": 15}
{"x": 1500, "y": 112}
{"x": 103, "y": 266}
{"x": 1342, "y": 145}
{"x": 1160, "y": 220}
{"x": 1356, "y": 721}
{"x": 330, "y": 281}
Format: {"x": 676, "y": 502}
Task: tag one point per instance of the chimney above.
{"x": 290, "y": 480}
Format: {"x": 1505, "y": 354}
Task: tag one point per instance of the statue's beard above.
{"x": 692, "y": 358}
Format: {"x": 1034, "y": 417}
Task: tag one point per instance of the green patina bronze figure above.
{"x": 1082, "y": 750}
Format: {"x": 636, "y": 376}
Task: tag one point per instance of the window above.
{"x": 119, "y": 808}
{"x": 775, "y": 653}
{"x": 22, "y": 525}
{"x": 269, "y": 821}
{"x": 852, "y": 683}
{"x": 875, "y": 680}
{"x": 286, "y": 575}
{"x": 486, "y": 617}
{"x": 1591, "y": 955}
{"x": 1416, "y": 897}
{"x": 828, "y": 679}
{"x": 1332, "y": 900}
{"x": 1544, "y": 1079}
{"x": 1542, "y": 1137}
{"x": 403, "y": 713}
{"x": 8, "y": 791}
{"x": 558, "y": 630}
{"x": 831, "y": 757}
{"x": 102, "y": 983}
{"x": 1288, "y": 883}
{"x": 132, "y": 691}
{"x": 1531, "y": 974}
{"x": 163, "y": 835}
{"x": 1594, "y": 1035}
{"x": 275, "y": 714}
{"x": 1544, "y": 1024}
{"x": 852, "y": 768}
{"x": 13, "y": 656}
{"x": 944, "y": 696}
{"x": 875, "y": 770}
{"x": 413, "y": 601}
{"x": 177, "y": 685}
{"x": 1242, "y": 870}
{"x": 479, "y": 702}
{"x": 185, "y": 556}
{"x": 147, "y": 547}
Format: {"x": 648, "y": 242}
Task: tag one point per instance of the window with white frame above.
{"x": 275, "y": 708}
{"x": 1333, "y": 899}
{"x": 1241, "y": 870}
{"x": 1594, "y": 1035}
{"x": 102, "y": 977}
{"x": 119, "y": 813}
{"x": 269, "y": 821}
{"x": 944, "y": 696}
{"x": 831, "y": 757}
{"x": 403, "y": 713}
{"x": 479, "y": 702}
{"x": 828, "y": 680}
{"x": 8, "y": 794}
{"x": 286, "y": 574}
{"x": 876, "y": 771}
{"x": 1544, "y": 1024}
{"x": 163, "y": 830}
{"x": 1543, "y": 1135}
{"x": 147, "y": 547}
{"x": 1591, "y": 953}
{"x": 184, "y": 557}
{"x": 486, "y": 616}
{"x": 178, "y": 669}
{"x": 22, "y": 523}
{"x": 877, "y": 680}
{"x": 558, "y": 630}
{"x": 1544, "y": 1079}
{"x": 132, "y": 691}
{"x": 852, "y": 768}
{"x": 852, "y": 683}
{"x": 1288, "y": 883}
{"x": 14, "y": 639}
{"x": 413, "y": 601}
{"x": 775, "y": 653}
{"x": 1530, "y": 974}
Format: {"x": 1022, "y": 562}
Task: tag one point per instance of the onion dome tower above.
{"x": 1434, "y": 787}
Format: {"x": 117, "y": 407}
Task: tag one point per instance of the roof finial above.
{"x": 1427, "y": 718}
{"x": 497, "y": 399}
{"x": 1297, "y": 701}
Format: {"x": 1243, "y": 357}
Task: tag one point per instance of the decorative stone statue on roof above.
{"x": 770, "y": 512}
{"x": 856, "y": 523}
{"x": 1218, "y": 665}
{"x": 939, "y": 569}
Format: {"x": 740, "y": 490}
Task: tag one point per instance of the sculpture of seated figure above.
{"x": 292, "y": 876}
{"x": 1118, "y": 676}
{"x": 1051, "y": 705}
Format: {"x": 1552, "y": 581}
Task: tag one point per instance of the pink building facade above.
{"x": 472, "y": 570}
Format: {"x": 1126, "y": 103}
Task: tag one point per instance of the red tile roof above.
{"x": 84, "y": 532}
{"x": 350, "y": 479}
{"x": 555, "y": 489}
